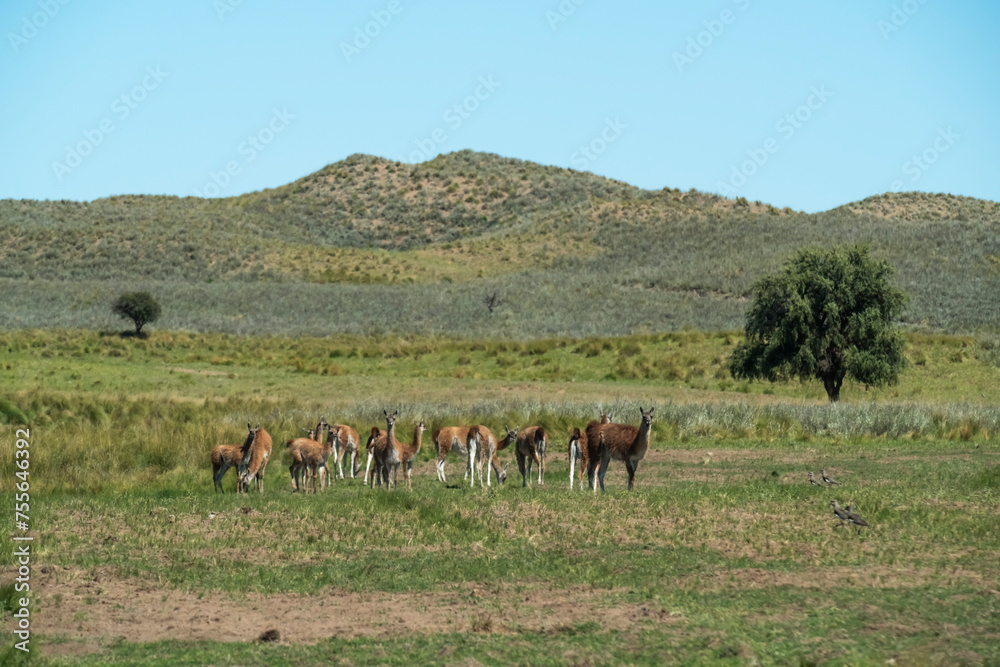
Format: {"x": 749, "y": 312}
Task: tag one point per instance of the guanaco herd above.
{"x": 319, "y": 456}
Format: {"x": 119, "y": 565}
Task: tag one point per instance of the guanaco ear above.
{"x": 384, "y": 412}
{"x": 395, "y": 413}
{"x": 249, "y": 427}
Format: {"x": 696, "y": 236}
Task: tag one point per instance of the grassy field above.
{"x": 724, "y": 553}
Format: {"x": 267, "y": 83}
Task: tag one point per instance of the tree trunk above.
{"x": 832, "y": 384}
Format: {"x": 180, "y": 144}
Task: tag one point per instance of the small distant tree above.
{"x": 140, "y": 307}
{"x": 493, "y": 301}
{"x": 827, "y": 315}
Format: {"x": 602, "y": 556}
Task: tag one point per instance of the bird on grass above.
{"x": 812, "y": 480}
{"x": 855, "y": 519}
{"x": 839, "y": 512}
{"x": 826, "y": 478}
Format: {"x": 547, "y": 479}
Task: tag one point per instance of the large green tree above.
{"x": 828, "y": 314}
{"x": 140, "y": 307}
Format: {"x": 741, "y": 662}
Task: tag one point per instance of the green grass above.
{"x": 724, "y": 551}
{"x": 714, "y": 559}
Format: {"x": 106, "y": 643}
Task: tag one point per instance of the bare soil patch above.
{"x": 89, "y": 609}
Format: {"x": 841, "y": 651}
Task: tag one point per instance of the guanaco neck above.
{"x": 418, "y": 434}
{"x": 641, "y": 443}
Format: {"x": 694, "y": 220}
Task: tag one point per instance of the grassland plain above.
{"x": 724, "y": 553}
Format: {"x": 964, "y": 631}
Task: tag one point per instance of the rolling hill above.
{"x": 367, "y": 245}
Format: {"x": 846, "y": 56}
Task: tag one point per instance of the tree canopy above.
{"x": 827, "y": 314}
{"x": 140, "y": 307}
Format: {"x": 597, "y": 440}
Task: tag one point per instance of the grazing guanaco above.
{"x": 483, "y": 446}
{"x": 532, "y": 442}
{"x": 225, "y": 457}
{"x": 621, "y": 442}
{"x": 255, "y": 460}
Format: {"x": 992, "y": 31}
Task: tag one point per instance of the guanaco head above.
{"x": 250, "y": 436}
{"x": 511, "y": 435}
{"x": 390, "y": 419}
{"x": 502, "y": 474}
{"x": 647, "y": 417}
{"x": 376, "y": 432}
{"x": 606, "y": 417}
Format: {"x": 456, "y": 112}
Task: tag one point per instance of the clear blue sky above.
{"x": 802, "y": 104}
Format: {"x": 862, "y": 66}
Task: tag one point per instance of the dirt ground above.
{"x": 91, "y": 610}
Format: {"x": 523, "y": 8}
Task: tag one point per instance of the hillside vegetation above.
{"x": 368, "y": 245}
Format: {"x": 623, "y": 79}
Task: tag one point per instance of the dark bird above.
{"x": 812, "y": 480}
{"x": 271, "y": 635}
{"x": 839, "y": 512}
{"x": 829, "y": 480}
{"x": 855, "y": 519}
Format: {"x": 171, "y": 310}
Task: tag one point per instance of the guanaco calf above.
{"x": 297, "y": 469}
{"x": 313, "y": 456}
{"x": 346, "y": 441}
{"x": 225, "y": 457}
{"x": 621, "y": 442}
